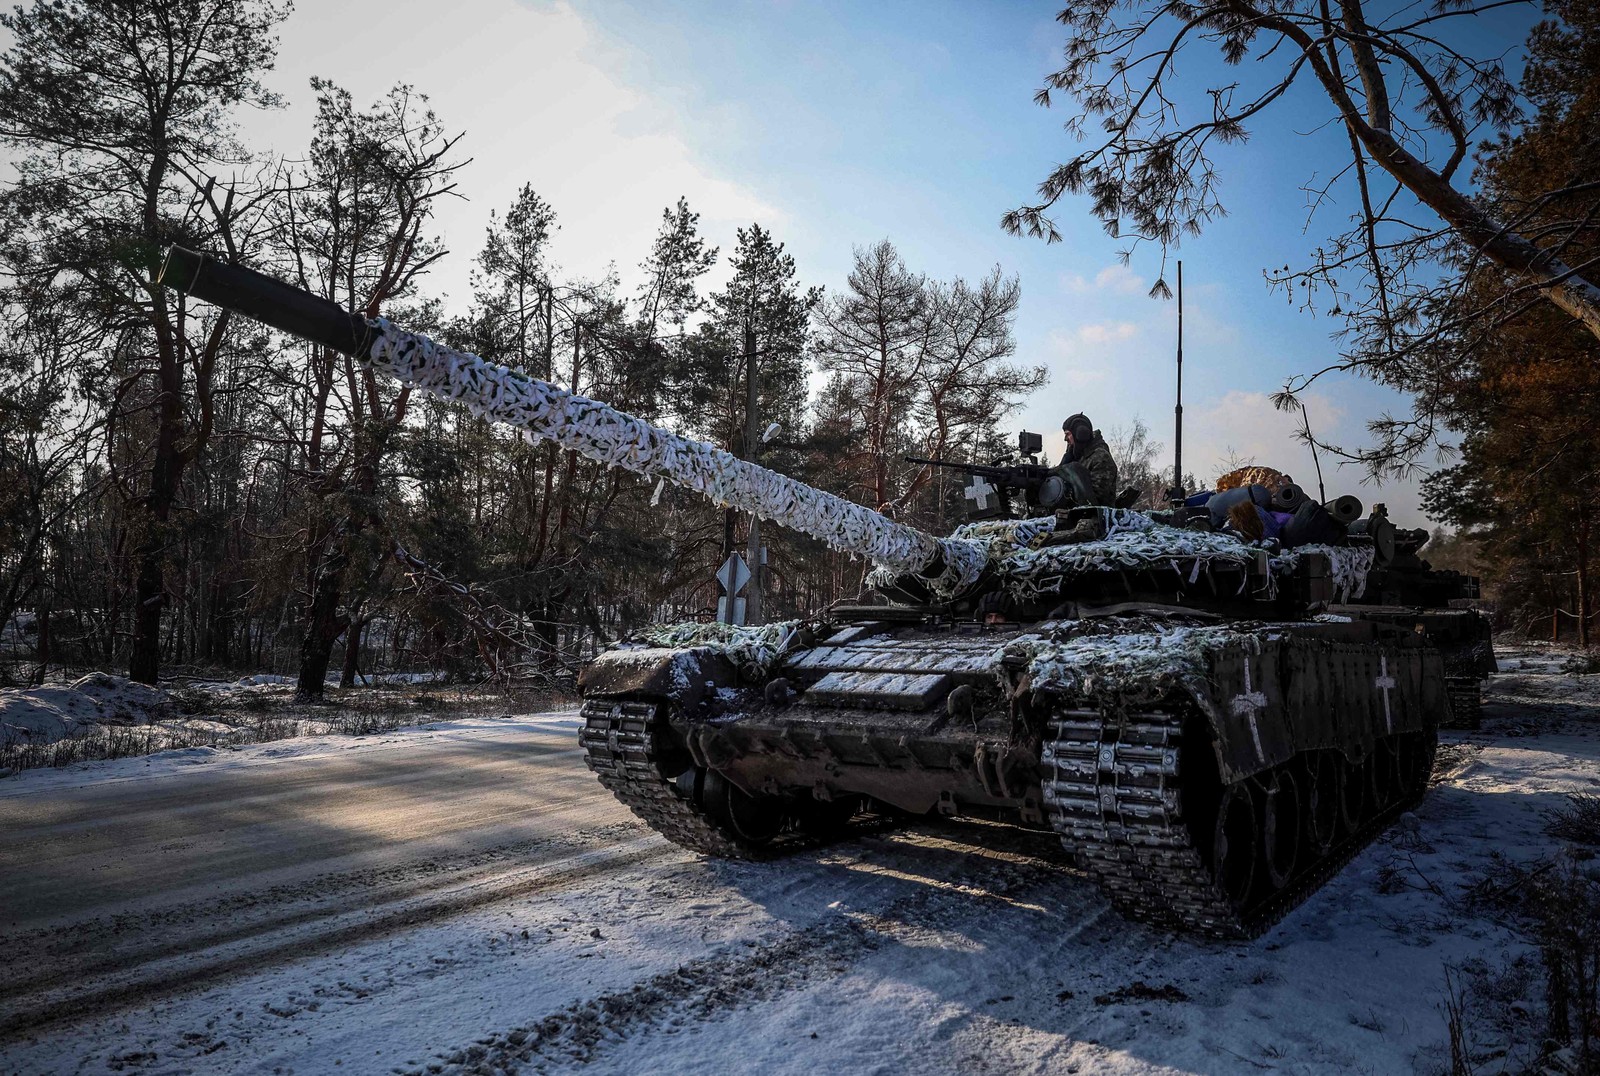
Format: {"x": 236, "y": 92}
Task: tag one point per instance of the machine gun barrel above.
{"x": 1041, "y": 486}
{"x": 1012, "y": 474}
{"x": 587, "y": 427}
{"x": 994, "y": 471}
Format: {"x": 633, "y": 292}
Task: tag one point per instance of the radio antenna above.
{"x": 1177, "y": 493}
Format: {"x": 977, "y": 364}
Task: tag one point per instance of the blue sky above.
{"x": 837, "y": 124}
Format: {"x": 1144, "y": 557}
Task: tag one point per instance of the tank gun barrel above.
{"x": 592, "y": 429}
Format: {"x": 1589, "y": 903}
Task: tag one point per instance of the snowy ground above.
{"x": 464, "y": 898}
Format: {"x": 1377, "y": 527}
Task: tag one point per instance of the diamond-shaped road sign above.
{"x": 733, "y": 574}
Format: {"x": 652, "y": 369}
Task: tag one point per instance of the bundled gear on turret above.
{"x": 1168, "y": 700}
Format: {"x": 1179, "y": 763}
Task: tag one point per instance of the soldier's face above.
{"x": 1071, "y": 443}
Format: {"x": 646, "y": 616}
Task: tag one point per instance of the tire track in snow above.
{"x": 721, "y": 984}
{"x": 172, "y": 973}
{"x": 93, "y": 947}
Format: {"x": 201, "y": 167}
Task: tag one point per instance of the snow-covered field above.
{"x": 464, "y": 898}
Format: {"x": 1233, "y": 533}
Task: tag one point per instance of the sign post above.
{"x": 732, "y": 577}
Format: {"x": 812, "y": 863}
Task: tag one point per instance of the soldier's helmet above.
{"x": 1082, "y": 431}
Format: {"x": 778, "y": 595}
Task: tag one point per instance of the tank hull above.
{"x": 1209, "y": 776}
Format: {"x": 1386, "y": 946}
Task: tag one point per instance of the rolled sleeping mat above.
{"x": 1345, "y": 509}
{"x": 1219, "y": 505}
{"x": 1288, "y": 498}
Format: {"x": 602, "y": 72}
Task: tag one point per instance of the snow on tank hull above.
{"x": 1209, "y": 775}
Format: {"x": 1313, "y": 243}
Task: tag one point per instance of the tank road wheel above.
{"x": 1142, "y": 801}
{"x": 1353, "y": 793}
{"x": 1236, "y": 845}
{"x": 629, "y": 744}
{"x": 1324, "y": 789}
{"x": 1281, "y": 826}
{"x": 754, "y": 819}
{"x": 1382, "y": 768}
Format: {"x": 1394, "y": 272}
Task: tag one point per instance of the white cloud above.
{"x": 1084, "y": 355}
{"x": 544, "y": 98}
{"x": 1248, "y": 428}
{"x": 1115, "y": 279}
{"x": 1107, "y": 332}
{"x": 1084, "y": 341}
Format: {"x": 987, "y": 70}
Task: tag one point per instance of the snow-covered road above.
{"x": 465, "y": 897}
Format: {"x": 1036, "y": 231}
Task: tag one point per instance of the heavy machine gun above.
{"x": 1044, "y": 489}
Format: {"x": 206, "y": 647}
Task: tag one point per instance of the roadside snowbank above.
{"x": 308, "y": 746}
{"x": 102, "y": 717}
{"x": 49, "y": 713}
{"x": 260, "y": 681}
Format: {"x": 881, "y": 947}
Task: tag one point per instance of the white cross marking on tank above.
{"x": 978, "y": 492}
{"x": 1384, "y": 683}
{"x": 1247, "y": 705}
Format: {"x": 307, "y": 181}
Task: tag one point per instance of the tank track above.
{"x": 1466, "y": 702}
{"x": 619, "y": 745}
{"x": 1111, "y": 789}
{"x": 623, "y": 744}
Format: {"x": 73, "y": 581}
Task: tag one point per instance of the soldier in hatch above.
{"x": 1088, "y": 455}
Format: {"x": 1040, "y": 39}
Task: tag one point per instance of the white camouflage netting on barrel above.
{"x": 998, "y": 537}
{"x": 606, "y": 435}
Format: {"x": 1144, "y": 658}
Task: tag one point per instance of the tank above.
{"x": 1209, "y": 742}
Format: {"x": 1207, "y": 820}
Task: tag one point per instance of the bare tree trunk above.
{"x": 1583, "y": 578}
{"x": 149, "y": 594}
{"x": 45, "y": 643}
{"x": 323, "y": 620}
{"x": 352, "y": 653}
{"x": 1542, "y": 270}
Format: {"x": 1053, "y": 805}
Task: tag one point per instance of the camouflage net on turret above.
{"x": 1348, "y": 565}
{"x": 1029, "y": 567}
{"x": 1133, "y": 541}
{"x": 603, "y": 434}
